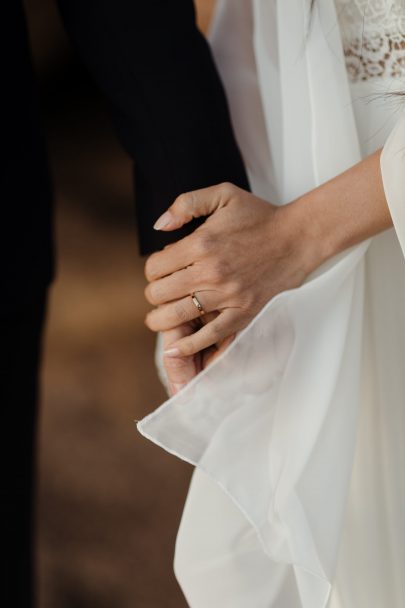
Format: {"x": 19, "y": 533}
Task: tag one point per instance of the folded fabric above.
{"x": 274, "y": 420}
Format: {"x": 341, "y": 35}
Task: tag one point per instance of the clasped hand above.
{"x": 246, "y": 252}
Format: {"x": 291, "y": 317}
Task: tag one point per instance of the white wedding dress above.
{"x": 298, "y": 430}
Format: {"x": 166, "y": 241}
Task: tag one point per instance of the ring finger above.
{"x": 168, "y": 316}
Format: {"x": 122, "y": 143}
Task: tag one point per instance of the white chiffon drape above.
{"x": 297, "y": 430}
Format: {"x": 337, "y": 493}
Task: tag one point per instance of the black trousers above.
{"x": 20, "y": 334}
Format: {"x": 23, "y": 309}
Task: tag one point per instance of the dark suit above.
{"x": 170, "y": 112}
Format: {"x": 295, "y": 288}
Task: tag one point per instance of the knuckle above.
{"x": 180, "y": 312}
{"x": 234, "y": 287}
{"x": 150, "y": 268}
{"x": 204, "y": 243}
{"x": 152, "y": 322}
{"x": 215, "y": 332}
{"x": 175, "y": 364}
{"x": 191, "y": 199}
{"x": 185, "y": 201}
{"x": 217, "y": 271}
{"x": 182, "y": 199}
{"x": 147, "y": 293}
{"x": 153, "y": 294}
{"x": 188, "y": 347}
{"x": 227, "y": 189}
{"x": 246, "y": 303}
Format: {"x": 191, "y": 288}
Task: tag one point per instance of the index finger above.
{"x": 179, "y": 370}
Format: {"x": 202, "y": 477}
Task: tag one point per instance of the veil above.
{"x": 274, "y": 420}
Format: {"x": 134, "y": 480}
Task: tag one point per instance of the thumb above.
{"x": 197, "y": 203}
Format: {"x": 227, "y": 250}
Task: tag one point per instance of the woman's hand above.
{"x": 180, "y": 370}
{"x": 246, "y": 252}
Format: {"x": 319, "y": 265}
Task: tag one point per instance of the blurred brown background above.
{"x": 109, "y": 501}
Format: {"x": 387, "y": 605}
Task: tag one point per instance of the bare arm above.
{"x": 345, "y": 210}
{"x": 248, "y": 250}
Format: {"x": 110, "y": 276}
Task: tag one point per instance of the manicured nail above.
{"x": 171, "y": 352}
{"x": 163, "y": 221}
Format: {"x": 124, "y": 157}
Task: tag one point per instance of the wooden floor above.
{"x": 109, "y": 501}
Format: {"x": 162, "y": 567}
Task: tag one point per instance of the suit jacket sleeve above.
{"x": 169, "y": 106}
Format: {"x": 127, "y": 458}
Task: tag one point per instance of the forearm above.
{"x": 344, "y": 211}
{"x": 249, "y": 250}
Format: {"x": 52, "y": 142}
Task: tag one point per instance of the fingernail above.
{"x": 163, "y": 221}
{"x": 171, "y": 352}
{"x": 177, "y": 387}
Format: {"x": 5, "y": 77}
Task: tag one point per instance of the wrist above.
{"x": 307, "y": 223}
{"x": 344, "y": 211}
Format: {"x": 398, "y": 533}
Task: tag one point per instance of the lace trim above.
{"x": 373, "y": 33}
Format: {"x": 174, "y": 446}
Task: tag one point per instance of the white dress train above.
{"x": 298, "y": 430}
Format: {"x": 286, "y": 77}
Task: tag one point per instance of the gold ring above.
{"x": 197, "y": 304}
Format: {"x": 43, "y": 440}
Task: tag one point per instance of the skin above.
{"x": 245, "y": 253}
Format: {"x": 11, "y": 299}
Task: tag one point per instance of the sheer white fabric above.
{"x": 297, "y": 431}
